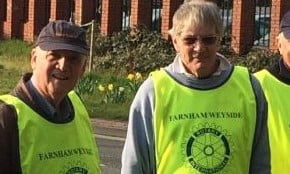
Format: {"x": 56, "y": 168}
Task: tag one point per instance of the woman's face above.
{"x": 197, "y": 47}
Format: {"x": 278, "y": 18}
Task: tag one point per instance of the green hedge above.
{"x": 255, "y": 60}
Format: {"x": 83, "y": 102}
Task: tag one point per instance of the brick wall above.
{"x": 169, "y": 7}
{"x": 85, "y": 11}
{"x": 11, "y": 24}
{"x": 279, "y": 8}
{"x": 25, "y": 18}
{"x": 141, "y": 13}
{"x": 111, "y": 16}
{"x": 2, "y": 15}
{"x": 242, "y": 26}
{"x": 38, "y": 17}
{"x": 57, "y": 9}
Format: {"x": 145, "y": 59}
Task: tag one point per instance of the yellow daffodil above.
{"x": 101, "y": 88}
{"x": 130, "y": 76}
{"x": 111, "y": 87}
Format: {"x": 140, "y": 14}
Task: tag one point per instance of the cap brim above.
{"x": 63, "y": 46}
{"x": 287, "y": 33}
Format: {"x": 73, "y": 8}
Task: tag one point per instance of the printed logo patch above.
{"x": 208, "y": 149}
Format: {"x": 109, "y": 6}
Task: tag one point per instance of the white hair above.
{"x": 197, "y": 13}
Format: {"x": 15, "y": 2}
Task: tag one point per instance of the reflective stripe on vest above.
{"x": 204, "y": 131}
{"x": 46, "y": 147}
{"x": 277, "y": 95}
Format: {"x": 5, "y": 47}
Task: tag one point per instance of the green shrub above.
{"x": 134, "y": 50}
{"x": 255, "y": 60}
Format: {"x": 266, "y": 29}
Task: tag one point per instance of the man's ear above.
{"x": 278, "y": 38}
{"x": 174, "y": 41}
{"x": 173, "y": 38}
{"x": 33, "y": 58}
{"x": 84, "y": 67}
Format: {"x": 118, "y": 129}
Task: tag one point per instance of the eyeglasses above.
{"x": 207, "y": 40}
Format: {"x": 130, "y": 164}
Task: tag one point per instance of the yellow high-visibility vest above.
{"x": 204, "y": 131}
{"x": 47, "y": 147}
{"x": 277, "y": 94}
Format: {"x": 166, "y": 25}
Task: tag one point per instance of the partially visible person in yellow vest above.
{"x": 200, "y": 114}
{"x": 44, "y": 126}
{"x": 275, "y": 81}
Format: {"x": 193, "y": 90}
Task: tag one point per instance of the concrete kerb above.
{"x": 114, "y": 124}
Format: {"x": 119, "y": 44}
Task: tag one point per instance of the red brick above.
{"x": 168, "y": 12}
{"x": 111, "y": 20}
{"x": 25, "y": 18}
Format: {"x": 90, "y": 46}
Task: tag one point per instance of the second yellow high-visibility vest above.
{"x": 277, "y": 95}
{"x": 47, "y": 147}
{"x": 204, "y": 131}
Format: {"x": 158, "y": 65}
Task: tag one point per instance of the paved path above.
{"x": 110, "y": 136}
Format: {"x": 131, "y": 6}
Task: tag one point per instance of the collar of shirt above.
{"x": 178, "y": 66}
{"x": 49, "y": 112}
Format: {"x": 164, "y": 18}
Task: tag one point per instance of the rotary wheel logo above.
{"x": 76, "y": 167}
{"x": 208, "y": 150}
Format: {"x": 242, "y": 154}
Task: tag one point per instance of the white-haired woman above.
{"x": 200, "y": 114}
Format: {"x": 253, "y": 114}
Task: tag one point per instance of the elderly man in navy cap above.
{"x": 275, "y": 81}
{"x": 44, "y": 126}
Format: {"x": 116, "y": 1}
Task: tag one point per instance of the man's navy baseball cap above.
{"x": 285, "y": 25}
{"x": 63, "y": 35}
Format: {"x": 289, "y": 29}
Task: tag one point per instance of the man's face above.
{"x": 284, "y": 48}
{"x": 55, "y": 73}
{"x": 197, "y": 47}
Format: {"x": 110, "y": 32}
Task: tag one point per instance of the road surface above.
{"x": 110, "y": 140}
